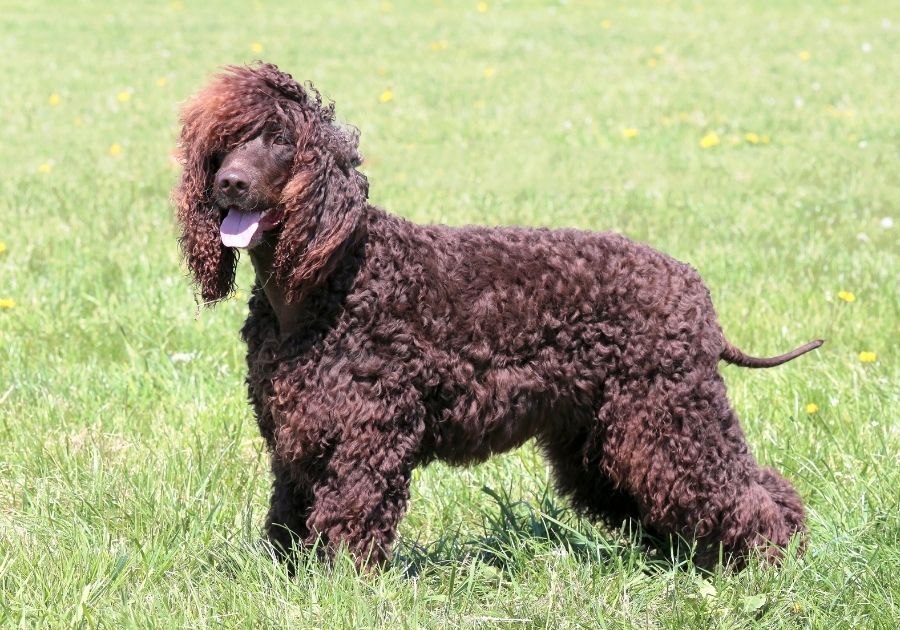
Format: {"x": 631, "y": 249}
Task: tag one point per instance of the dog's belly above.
{"x": 500, "y": 411}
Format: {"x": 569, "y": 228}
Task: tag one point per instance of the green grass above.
{"x": 133, "y": 483}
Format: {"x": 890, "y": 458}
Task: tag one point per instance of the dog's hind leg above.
{"x": 675, "y": 445}
{"x": 575, "y": 460}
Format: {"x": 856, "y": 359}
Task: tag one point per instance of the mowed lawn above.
{"x": 757, "y": 141}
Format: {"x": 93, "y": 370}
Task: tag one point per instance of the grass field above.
{"x": 756, "y": 140}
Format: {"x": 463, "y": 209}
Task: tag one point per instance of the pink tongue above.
{"x": 238, "y": 228}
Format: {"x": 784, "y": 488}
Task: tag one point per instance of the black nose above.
{"x": 233, "y": 182}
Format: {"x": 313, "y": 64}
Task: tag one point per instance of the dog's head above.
{"x": 264, "y": 162}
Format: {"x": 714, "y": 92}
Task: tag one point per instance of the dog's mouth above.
{"x": 246, "y": 228}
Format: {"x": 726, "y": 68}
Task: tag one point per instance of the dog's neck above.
{"x": 262, "y": 256}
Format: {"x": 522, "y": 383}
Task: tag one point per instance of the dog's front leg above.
{"x": 363, "y": 493}
{"x": 290, "y": 506}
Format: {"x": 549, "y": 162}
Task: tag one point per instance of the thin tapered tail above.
{"x": 736, "y": 356}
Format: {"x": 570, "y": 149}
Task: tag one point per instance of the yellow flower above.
{"x": 7, "y": 303}
{"x": 709, "y": 140}
{"x": 2, "y": 247}
{"x": 846, "y": 296}
{"x": 764, "y": 139}
{"x": 751, "y": 137}
{"x": 489, "y": 72}
{"x": 123, "y": 97}
{"x": 440, "y": 45}
{"x": 115, "y": 149}
{"x": 387, "y": 96}
{"x": 804, "y": 55}
{"x": 46, "y": 167}
{"x": 77, "y": 121}
{"x": 161, "y": 82}
{"x": 651, "y": 62}
{"x": 256, "y": 47}
{"x": 482, "y": 7}
{"x": 606, "y": 23}
{"x": 811, "y": 408}
{"x": 480, "y": 104}
{"x": 177, "y": 5}
{"x": 629, "y": 133}
{"x": 840, "y": 113}
{"x": 658, "y": 50}
{"x": 867, "y": 357}
{"x": 387, "y": 7}
{"x": 54, "y": 99}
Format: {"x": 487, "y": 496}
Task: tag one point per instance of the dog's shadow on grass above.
{"x": 519, "y": 530}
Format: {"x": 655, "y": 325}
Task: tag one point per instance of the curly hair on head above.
{"x": 322, "y": 201}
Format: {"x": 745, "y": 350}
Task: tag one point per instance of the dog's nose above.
{"x": 233, "y": 182}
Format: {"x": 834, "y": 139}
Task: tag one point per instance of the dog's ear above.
{"x": 212, "y": 263}
{"x": 324, "y": 213}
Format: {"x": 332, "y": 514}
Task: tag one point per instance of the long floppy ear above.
{"x": 324, "y": 213}
{"x": 212, "y": 263}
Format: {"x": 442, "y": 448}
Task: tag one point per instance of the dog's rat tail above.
{"x": 736, "y": 356}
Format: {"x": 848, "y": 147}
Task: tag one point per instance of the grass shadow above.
{"x": 519, "y": 530}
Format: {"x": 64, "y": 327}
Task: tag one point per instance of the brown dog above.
{"x": 376, "y": 345}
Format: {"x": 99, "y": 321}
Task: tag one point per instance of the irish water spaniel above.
{"x": 375, "y": 345}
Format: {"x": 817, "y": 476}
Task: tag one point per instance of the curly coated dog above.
{"x": 376, "y": 345}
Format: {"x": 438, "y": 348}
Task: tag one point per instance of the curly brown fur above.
{"x": 376, "y": 345}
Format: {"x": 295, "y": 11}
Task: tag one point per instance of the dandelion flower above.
{"x": 256, "y": 47}
{"x": 811, "y": 408}
{"x": 115, "y": 149}
{"x": 387, "y": 96}
{"x": 651, "y": 62}
{"x": 77, "y": 121}
{"x": 439, "y": 45}
{"x": 751, "y": 137}
{"x": 846, "y": 296}
{"x": 709, "y": 140}
{"x": 387, "y": 7}
{"x": 7, "y": 303}
{"x": 482, "y": 7}
{"x": 804, "y": 55}
{"x": 840, "y": 112}
{"x": 764, "y": 139}
{"x": 867, "y": 357}
{"x": 46, "y": 167}
{"x": 54, "y": 99}
{"x": 161, "y": 82}
{"x": 2, "y": 247}
{"x": 606, "y": 23}
{"x": 177, "y": 5}
{"x": 629, "y": 133}
{"x": 489, "y": 72}
{"x": 658, "y": 50}
{"x": 123, "y": 96}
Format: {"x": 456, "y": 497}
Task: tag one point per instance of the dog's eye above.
{"x": 282, "y": 139}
